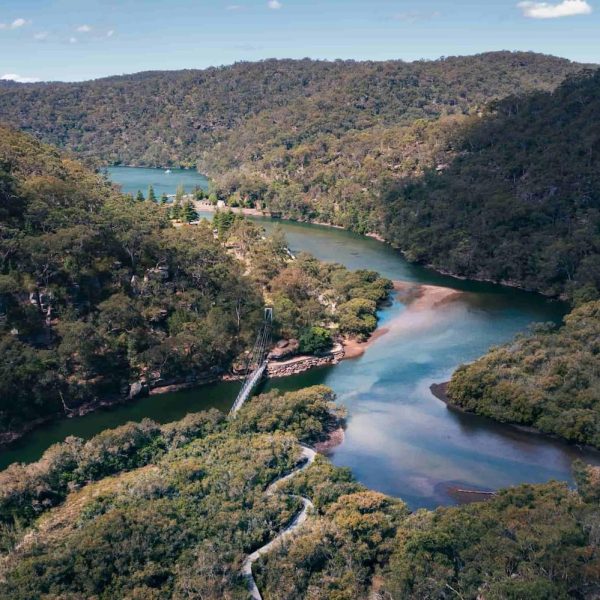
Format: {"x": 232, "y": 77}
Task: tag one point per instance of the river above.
{"x": 400, "y": 439}
{"x": 164, "y": 181}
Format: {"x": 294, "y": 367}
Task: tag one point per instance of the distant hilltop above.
{"x": 175, "y": 117}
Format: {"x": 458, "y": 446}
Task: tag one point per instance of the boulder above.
{"x": 137, "y": 389}
{"x": 284, "y": 349}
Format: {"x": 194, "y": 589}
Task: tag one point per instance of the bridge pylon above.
{"x": 256, "y": 364}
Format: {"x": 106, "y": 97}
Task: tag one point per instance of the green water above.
{"x": 132, "y": 179}
{"x": 400, "y": 439}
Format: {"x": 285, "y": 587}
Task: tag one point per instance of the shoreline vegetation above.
{"x": 357, "y": 167}
{"x": 546, "y": 379}
{"x": 204, "y": 206}
{"x": 102, "y": 298}
{"x": 440, "y": 391}
{"x": 146, "y": 505}
{"x": 417, "y": 298}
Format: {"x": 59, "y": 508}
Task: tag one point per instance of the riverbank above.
{"x": 418, "y": 298}
{"x": 440, "y": 391}
{"x": 201, "y": 206}
{"x": 375, "y": 235}
{"x": 10, "y": 437}
{"x": 302, "y": 363}
{"x": 141, "y": 389}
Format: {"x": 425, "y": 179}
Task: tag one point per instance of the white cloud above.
{"x": 234, "y": 7}
{"x": 545, "y": 10}
{"x": 16, "y": 24}
{"x": 18, "y": 78}
{"x": 42, "y": 35}
{"x": 84, "y": 28}
{"x": 110, "y": 33}
{"x": 274, "y": 4}
{"x": 72, "y": 40}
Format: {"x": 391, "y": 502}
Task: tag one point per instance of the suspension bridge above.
{"x": 256, "y": 363}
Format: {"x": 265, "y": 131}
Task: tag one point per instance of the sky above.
{"x": 73, "y": 40}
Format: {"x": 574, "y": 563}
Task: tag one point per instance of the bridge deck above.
{"x": 248, "y": 387}
{"x": 257, "y": 362}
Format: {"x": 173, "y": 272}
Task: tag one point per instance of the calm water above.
{"x": 132, "y": 179}
{"x": 400, "y": 439}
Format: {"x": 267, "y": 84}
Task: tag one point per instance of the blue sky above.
{"x": 84, "y": 39}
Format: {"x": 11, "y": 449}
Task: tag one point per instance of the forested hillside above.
{"x": 414, "y": 151}
{"x": 172, "y": 118}
{"x": 99, "y": 291}
{"x": 149, "y": 511}
{"x": 521, "y": 203}
{"x": 509, "y": 194}
{"x": 518, "y": 198}
{"x": 549, "y": 379}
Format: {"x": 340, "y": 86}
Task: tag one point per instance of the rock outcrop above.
{"x": 299, "y": 364}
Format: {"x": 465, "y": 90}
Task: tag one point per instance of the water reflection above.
{"x": 403, "y": 441}
{"x": 400, "y": 439}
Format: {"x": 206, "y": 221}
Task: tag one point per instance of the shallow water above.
{"x": 400, "y": 439}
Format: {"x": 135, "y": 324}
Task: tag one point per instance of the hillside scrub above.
{"x": 28, "y": 490}
{"x": 99, "y": 290}
{"x": 179, "y": 116}
{"x": 174, "y": 506}
{"x": 456, "y": 161}
{"x": 508, "y": 193}
{"x": 519, "y": 198}
{"x": 149, "y": 511}
{"x": 549, "y": 379}
{"x": 531, "y": 541}
{"x": 306, "y": 294}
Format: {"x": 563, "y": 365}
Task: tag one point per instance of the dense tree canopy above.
{"x": 549, "y": 379}
{"x": 164, "y": 118}
{"x": 441, "y": 157}
{"x": 520, "y": 199}
{"x": 149, "y": 511}
{"x": 510, "y": 193}
{"x": 528, "y": 542}
{"x": 98, "y": 290}
{"x": 91, "y": 284}
{"x": 521, "y": 202}
{"x": 156, "y": 512}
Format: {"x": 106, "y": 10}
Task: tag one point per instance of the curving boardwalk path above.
{"x": 308, "y": 454}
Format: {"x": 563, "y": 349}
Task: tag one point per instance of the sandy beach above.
{"x": 419, "y": 299}
{"x": 424, "y": 297}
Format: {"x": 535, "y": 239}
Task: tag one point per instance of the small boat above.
{"x": 168, "y": 172}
